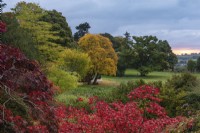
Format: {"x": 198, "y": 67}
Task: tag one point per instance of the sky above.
{"x": 177, "y": 21}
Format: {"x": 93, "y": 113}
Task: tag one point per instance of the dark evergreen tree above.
{"x": 83, "y": 28}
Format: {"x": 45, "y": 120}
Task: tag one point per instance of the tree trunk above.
{"x": 95, "y": 79}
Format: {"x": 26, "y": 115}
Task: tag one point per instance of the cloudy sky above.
{"x": 177, "y": 21}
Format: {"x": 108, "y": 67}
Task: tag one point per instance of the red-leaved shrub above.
{"x": 2, "y": 26}
{"x": 23, "y": 83}
{"x": 142, "y": 114}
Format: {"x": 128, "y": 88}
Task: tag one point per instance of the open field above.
{"x": 108, "y": 84}
{"x": 134, "y": 75}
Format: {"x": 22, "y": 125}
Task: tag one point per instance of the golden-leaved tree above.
{"x": 103, "y": 57}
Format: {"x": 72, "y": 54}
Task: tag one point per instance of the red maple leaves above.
{"x": 2, "y": 26}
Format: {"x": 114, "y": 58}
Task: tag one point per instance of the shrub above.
{"x": 63, "y": 79}
{"x": 184, "y": 81}
{"x": 76, "y": 61}
{"x": 121, "y": 92}
{"x": 176, "y": 95}
{"x": 26, "y": 95}
{"x": 191, "y": 105}
{"x": 172, "y": 100}
{"x": 141, "y": 114}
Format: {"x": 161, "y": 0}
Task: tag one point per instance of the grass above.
{"x": 85, "y": 91}
{"x": 108, "y": 84}
{"x": 131, "y": 75}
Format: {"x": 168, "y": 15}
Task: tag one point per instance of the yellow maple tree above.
{"x": 103, "y": 56}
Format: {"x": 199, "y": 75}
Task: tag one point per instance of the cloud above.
{"x": 174, "y": 20}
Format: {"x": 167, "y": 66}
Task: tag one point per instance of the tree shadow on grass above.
{"x": 145, "y": 77}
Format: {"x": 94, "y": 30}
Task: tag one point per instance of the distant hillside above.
{"x": 183, "y": 58}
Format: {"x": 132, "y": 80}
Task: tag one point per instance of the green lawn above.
{"x": 134, "y": 75}
{"x": 108, "y": 84}
{"x": 85, "y": 91}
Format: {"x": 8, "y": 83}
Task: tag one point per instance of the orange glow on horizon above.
{"x": 183, "y": 51}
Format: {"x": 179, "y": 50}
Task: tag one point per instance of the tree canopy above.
{"x": 121, "y": 47}
{"x": 102, "y": 55}
{"x": 191, "y": 65}
{"x": 24, "y": 40}
{"x": 60, "y": 27}
{"x": 29, "y": 16}
{"x": 150, "y": 54}
{"x": 83, "y": 29}
{"x": 198, "y": 64}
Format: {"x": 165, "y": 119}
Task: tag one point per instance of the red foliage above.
{"x": 80, "y": 99}
{"x": 119, "y": 117}
{"x": 20, "y": 76}
{"x": 2, "y": 26}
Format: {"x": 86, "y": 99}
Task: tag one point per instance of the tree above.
{"x": 2, "y": 5}
{"x": 191, "y": 65}
{"x": 150, "y": 54}
{"x": 29, "y": 15}
{"x": 102, "y": 55}
{"x": 144, "y": 53}
{"x": 122, "y": 48}
{"x": 173, "y": 60}
{"x": 83, "y": 28}
{"x": 115, "y": 43}
{"x": 24, "y": 40}
{"x": 169, "y": 59}
{"x": 60, "y": 27}
{"x": 76, "y": 62}
{"x": 117, "y": 46}
{"x": 198, "y": 64}
{"x": 127, "y": 35}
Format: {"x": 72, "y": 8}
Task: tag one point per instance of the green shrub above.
{"x": 184, "y": 81}
{"x": 177, "y": 97}
{"x": 157, "y": 84}
{"x": 172, "y": 100}
{"x": 191, "y": 105}
{"x": 63, "y": 79}
{"x": 76, "y": 61}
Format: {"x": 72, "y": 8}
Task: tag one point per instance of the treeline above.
{"x": 44, "y": 35}
{"x": 193, "y": 66}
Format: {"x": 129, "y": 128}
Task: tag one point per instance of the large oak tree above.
{"x": 150, "y": 54}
